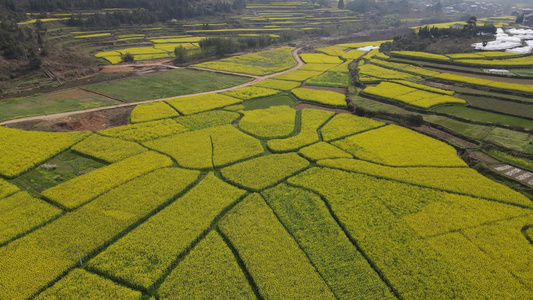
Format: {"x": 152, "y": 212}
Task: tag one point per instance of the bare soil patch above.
{"x": 90, "y": 121}
{"x": 480, "y": 156}
{"x": 445, "y": 136}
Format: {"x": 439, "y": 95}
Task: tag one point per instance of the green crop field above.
{"x": 474, "y": 131}
{"x": 373, "y": 105}
{"x": 166, "y": 84}
{"x": 484, "y": 116}
{"x": 520, "y": 162}
{"x": 68, "y": 100}
{"x": 497, "y": 105}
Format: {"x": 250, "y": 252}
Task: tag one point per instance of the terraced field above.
{"x": 237, "y": 194}
{"x": 349, "y": 208}
{"x": 468, "y": 102}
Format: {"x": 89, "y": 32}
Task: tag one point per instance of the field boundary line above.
{"x": 354, "y": 242}
{"x": 179, "y": 257}
{"x": 100, "y": 94}
{"x": 66, "y": 114}
{"x": 431, "y": 188}
{"x": 225, "y": 72}
{"x": 322, "y": 276}
{"x": 240, "y": 262}
{"x": 461, "y": 230}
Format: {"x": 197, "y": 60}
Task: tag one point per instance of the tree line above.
{"x": 427, "y": 35}
{"x": 23, "y": 42}
{"x": 218, "y": 46}
{"x": 149, "y": 10}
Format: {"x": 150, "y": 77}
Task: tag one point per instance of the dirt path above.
{"x": 522, "y": 176}
{"x": 450, "y": 138}
{"x": 257, "y": 79}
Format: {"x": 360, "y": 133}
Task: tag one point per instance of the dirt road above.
{"x": 257, "y": 79}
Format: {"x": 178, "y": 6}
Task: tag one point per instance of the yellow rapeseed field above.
{"x": 311, "y": 120}
{"x": 250, "y": 92}
{"x": 264, "y": 244}
{"x": 412, "y": 95}
{"x": 152, "y": 111}
{"x": 26, "y": 149}
{"x": 195, "y": 104}
{"x": 142, "y": 256}
{"x": 326, "y": 98}
{"x": 260, "y": 63}
{"x": 207, "y": 197}
{"x": 108, "y": 149}
{"x": 394, "y": 145}
{"x": 273, "y": 122}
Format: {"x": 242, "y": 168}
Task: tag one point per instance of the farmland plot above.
{"x": 274, "y": 122}
{"x": 326, "y": 98}
{"x": 166, "y": 84}
{"x": 261, "y": 63}
{"x": 412, "y": 96}
{"x": 196, "y": 205}
{"x": 311, "y": 120}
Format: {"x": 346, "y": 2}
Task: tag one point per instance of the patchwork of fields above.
{"x": 237, "y": 194}
{"x": 472, "y": 104}
{"x": 334, "y": 205}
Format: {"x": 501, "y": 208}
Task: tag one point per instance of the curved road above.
{"x": 257, "y": 79}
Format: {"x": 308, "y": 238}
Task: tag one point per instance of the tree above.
{"x": 519, "y": 19}
{"x": 128, "y": 57}
{"x": 471, "y": 25}
{"x": 34, "y": 61}
{"x": 181, "y": 54}
{"x": 361, "y": 6}
{"x": 341, "y": 4}
{"x": 415, "y": 120}
{"x": 239, "y": 4}
{"x": 472, "y": 22}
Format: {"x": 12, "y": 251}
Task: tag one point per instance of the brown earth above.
{"x": 442, "y": 135}
{"x": 84, "y": 119}
{"x": 480, "y": 156}
{"x": 89, "y": 121}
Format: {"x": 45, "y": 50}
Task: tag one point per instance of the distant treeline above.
{"x": 467, "y": 31}
{"x": 149, "y": 10}
{"x": 427, "y": 35}
{"x": 380, "y": 7}
{"x": 217, "y": 46}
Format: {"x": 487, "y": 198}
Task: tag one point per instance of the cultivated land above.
{"x": 262, "y": 184}
{"x": 68, "y": 100}
{"x": 166, "y": 84}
